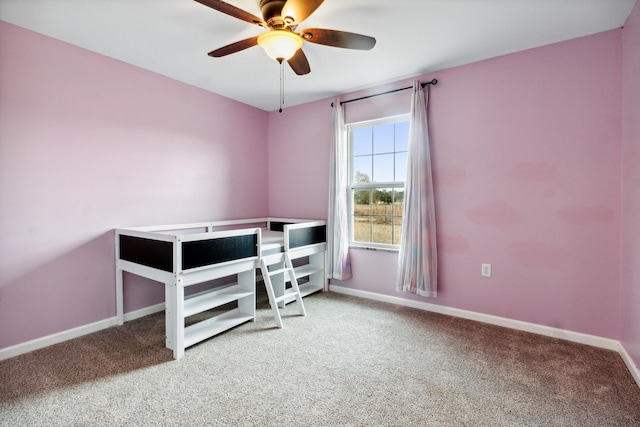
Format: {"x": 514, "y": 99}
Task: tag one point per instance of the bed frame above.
{"x": 183, "y": 255}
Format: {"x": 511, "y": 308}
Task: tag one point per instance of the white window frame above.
{"x": 353, "y": 186}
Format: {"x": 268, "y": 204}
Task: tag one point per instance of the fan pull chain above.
{"x": 281, "y": 85}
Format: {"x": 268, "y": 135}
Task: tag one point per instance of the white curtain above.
{"x": 337, "y": 217}
{"x": 417, "y": 260}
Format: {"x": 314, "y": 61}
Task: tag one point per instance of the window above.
{"x": 378, "y": 164}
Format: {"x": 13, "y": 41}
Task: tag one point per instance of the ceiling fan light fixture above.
{"x": 280, "y": 45}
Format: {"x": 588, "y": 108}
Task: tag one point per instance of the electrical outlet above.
{"x": 485, "y": 270}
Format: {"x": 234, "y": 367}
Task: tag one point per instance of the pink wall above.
{"x": 298, "y": 161}
{"x": 630, "y": 229}
{"x": 526, "y": 151}
{"x": 88, "y": 144}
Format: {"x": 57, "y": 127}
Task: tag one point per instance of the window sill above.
{"x": 373, "y": 248}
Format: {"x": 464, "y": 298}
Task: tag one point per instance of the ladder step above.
{"x": 282, "y": 270}
{"x": 285, "y": 296}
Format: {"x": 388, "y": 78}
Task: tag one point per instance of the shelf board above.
{"x": 207, "y": 328}
{"x": 309, "y": 288}
{"x": 306, "y": 270}
{"x": 203, "y": 301}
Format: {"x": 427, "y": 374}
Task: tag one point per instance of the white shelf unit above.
{"x": 184, "y": 255}
{"x": 207, "y": 300}
{"x": 314, "y": 271}
{"x": 243, "y": 294}
{"x": 167, "y": 255}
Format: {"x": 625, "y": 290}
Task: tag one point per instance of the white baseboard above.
{"x": 635, "y": 371}
{"x": 18, "y": 349}
{"x": 56, "y": 338}
{"x": 577, "y": 337}
{"x": 136, "y": 314}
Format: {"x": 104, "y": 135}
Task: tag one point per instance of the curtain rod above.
{"x": 432, "y": 82}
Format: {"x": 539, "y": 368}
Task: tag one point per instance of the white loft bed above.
{"x": 184, "y": 255}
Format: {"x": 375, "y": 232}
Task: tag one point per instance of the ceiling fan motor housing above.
{"x": 271, "y": 13}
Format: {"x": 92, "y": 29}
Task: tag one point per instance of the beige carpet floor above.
{"x": 350, "y": 362}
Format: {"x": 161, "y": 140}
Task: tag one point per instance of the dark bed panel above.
{"x": 277, "y": 226}
{"x": 152, "y": 253}
{"x": 307, "y": 236}
{"x": 207, "y": 252}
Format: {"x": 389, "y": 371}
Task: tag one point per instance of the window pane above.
{"x": 381, "y": 229}
{"x": 402, "y": 136}
{"x": 362, "y": 141}
{"x": 382, "y": 210}
{"x": 398, "y": 208}
{"x": 383, "y": 168}
{"x": 383, "y": 139}
{"x": 362, "y": 202}
{"x": 382, "y": 197}
{"x": 401, "y": 167}
{"x": 362, "y": 229}
{"x": 398, "y": 200}
{"x": 362, "y": 169}
{"x": 362, "y": 215}
{"x": 397, "y": 230}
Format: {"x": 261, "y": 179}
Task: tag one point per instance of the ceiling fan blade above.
{"x": 231, "y": 10}
{"x": 234, "y": 47}
{"x": 299, "y": 63}
{"x": 300, "y": 10}
{"x": 338, "y": 38}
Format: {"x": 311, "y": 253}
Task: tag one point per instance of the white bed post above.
{"x": 169, "y": 309}
{"x": 318, "y": 261}
{"x": 178, "y": 352}
{"x": 174, "y": 317}
{"x": 119, "y": 289}
{"x": 247, "y": 282}
{"x": 119, "y": 297}
{"x": 177, "y": 296}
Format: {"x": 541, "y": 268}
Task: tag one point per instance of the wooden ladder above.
{"x": 293, "y": 291}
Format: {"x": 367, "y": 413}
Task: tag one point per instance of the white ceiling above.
{"x": 172, "y": 38}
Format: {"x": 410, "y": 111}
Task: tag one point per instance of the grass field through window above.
{"x": 377, "y": 223}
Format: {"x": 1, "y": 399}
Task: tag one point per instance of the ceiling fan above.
{"x": 282, "y": 42}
